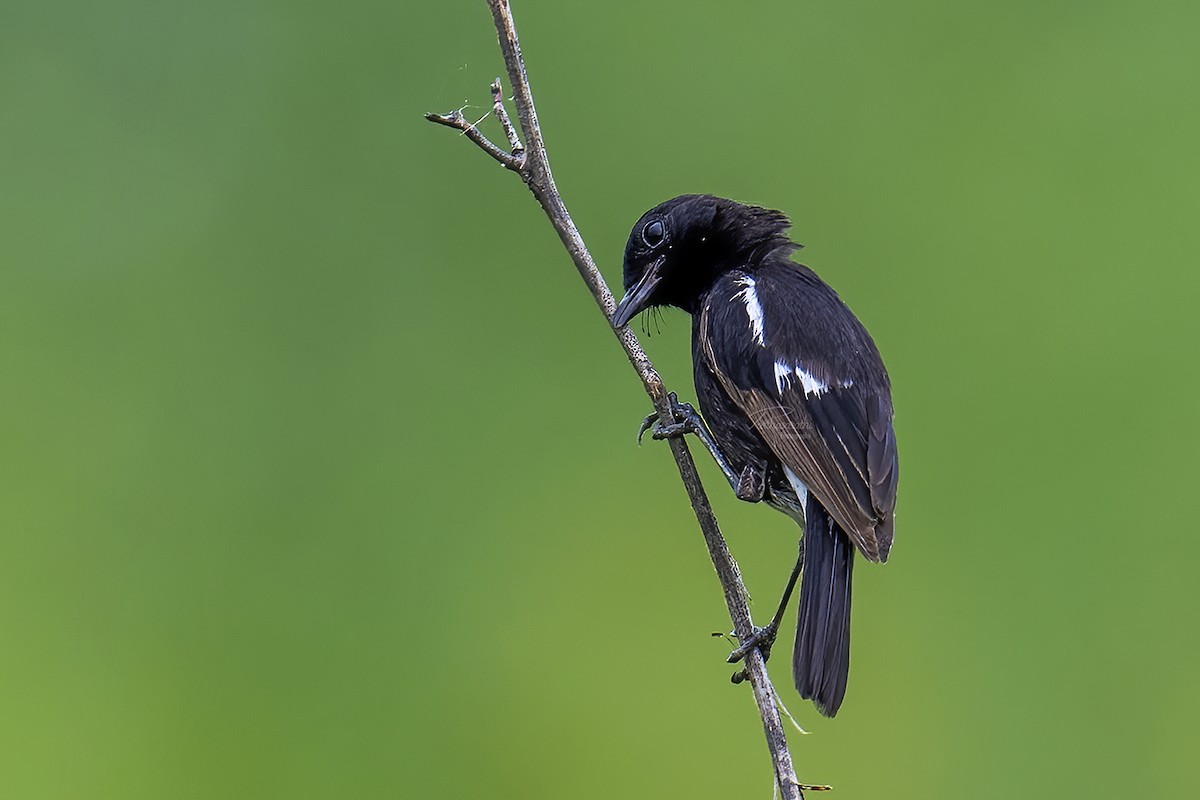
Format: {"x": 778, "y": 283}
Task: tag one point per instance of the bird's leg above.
{"x": 763, "y": 638}
{"x": 688, "y": 421}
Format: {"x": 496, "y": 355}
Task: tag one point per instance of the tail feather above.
{"x": 821, "y": 660}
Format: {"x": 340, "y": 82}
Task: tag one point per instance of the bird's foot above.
{"x": 762, "y": 638}
{"x": 687, "y": 420}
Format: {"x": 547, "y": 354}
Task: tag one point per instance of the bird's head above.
{"x": 679, "y": 248}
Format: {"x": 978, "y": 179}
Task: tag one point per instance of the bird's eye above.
{"x": 654, "y": 233}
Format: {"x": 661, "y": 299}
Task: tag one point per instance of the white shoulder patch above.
{"x": 754, "y": 310}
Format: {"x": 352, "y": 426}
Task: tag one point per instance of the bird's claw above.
{"x": 648, "y": 423}
{"x": 686, "y": 421}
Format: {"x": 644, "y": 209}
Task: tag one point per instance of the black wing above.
{"x": 809, "y": 378}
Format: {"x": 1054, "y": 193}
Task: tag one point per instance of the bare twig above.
{"x": 456, "y": 120}
{"x": 514, "y": 142}
{"x": 533, "y": 166}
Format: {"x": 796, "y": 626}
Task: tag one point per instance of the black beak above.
{"x": 638, "y": 298}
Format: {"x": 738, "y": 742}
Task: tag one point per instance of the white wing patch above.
{"x": 754, "y": 310}
{"x": 785, "y": 372}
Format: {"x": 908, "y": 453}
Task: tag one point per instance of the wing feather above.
{"x": 838, "y": 438}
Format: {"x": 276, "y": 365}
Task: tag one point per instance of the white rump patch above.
{"x": 754, "y": 310}
{"x": 784, "y": 372}
{"x": 797, "y": 486}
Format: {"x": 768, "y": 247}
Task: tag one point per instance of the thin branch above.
{"x": 456, "y": 120}
{"x": 514, "y": 142}
{"x": 532, "y": 164}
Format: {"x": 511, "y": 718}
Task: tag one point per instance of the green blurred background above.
{"x": 317, "y": 461}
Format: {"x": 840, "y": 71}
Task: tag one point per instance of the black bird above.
{"x": 795, "y": 395}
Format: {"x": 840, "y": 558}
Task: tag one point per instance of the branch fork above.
{"x": 530, "y": 162}
{"x": 514, "y": 157}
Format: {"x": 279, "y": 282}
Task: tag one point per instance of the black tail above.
{"x": 821, "y": 661}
